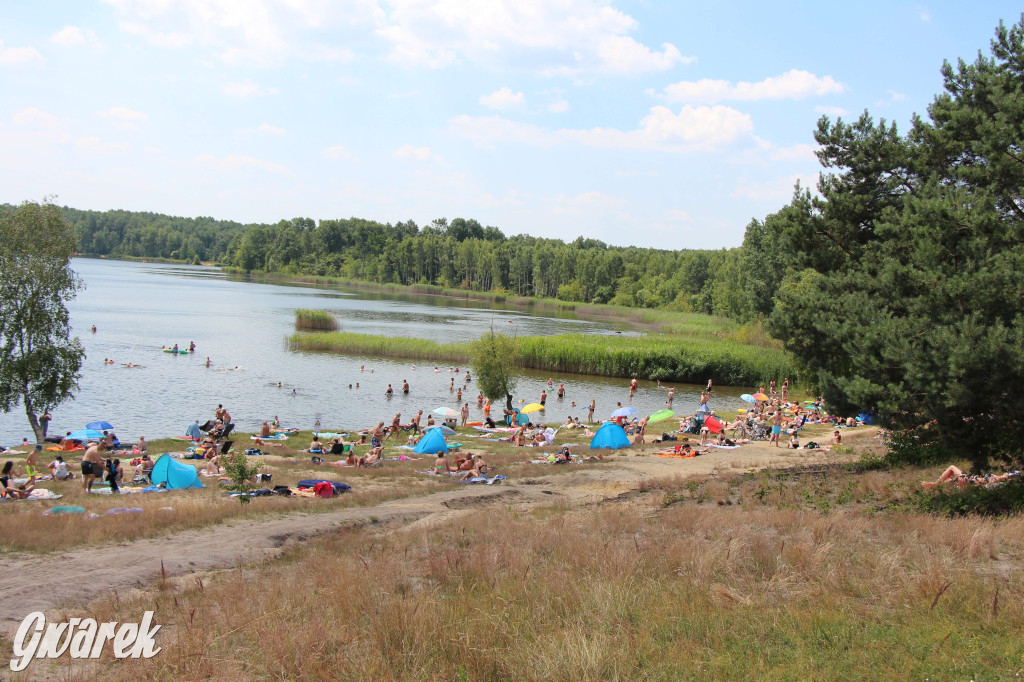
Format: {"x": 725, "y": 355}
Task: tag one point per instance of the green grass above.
{"x": 315, "y": 320}
{"x": 664, "y": 357}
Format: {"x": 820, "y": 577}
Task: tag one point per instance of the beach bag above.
{"x": 282, "y": 490}
{"x": 811, "y": 446}
{"x": 323, "y": 489}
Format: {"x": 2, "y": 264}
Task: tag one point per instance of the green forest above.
{"x": 460, "y": 253}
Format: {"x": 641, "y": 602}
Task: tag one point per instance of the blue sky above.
{"x": 647, "y": 123}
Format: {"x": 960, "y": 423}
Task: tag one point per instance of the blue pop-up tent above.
{"x": 176, "y": 475}
{"x": 610, "y": 436}
{"x": 431, "y": 443}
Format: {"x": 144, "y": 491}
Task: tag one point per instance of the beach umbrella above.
{"x": 444, "y": 429}
{"x": 748, "y": 398}
{"x": 660, "y": 415}
{"x": 99, "y": 426}
{"x": 761, "y": 397}
{"x": 446, "y": 412}
{"x": 624, "y": 412}
{"x": 532, "y": 407}
{"x": 86, "y": 434}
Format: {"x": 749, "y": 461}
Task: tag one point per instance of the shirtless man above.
{"x": 478, "y": 469}
{"x": 92, "y": 464}
{"x": 395, "y": 427}
{"x": 405, "y": 387}
{"x": 590, "y": 411}
{"x": 265, "y": 430}
{"x": 671, "y": 396}
{"x": 416, "y": 422}
{"x": 32, "y": 461}
{"x": 377, "y": 435}
{"x": 776, "y": 428}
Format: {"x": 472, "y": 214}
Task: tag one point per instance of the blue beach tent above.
{"x": 176, "y": 475}
{"x": 610, "y": 436}
{"x": 431, "y": 443}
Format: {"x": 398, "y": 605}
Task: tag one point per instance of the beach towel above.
{"x": 484, "y": 479}
{"x": 726, "y": 447}
{"x": 280, "y": 436}
{"x": 678, "y": 455}
{"x": 43, "y": 494}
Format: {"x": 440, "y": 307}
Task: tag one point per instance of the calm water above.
{"x": 242, "y": 327}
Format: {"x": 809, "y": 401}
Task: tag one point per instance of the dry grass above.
{"x": 769, "y": 588}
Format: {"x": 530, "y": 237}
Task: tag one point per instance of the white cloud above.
{"x": 503, "y": 99}
{"x": 923, "y": 14}
{"x": 95, "y": 145}
{"x": 692, "y": 129}
{"x": 677, "y": 215}
{"x": 42, "y": 121}
{"x": 891, "y": 99}
{"x": 123, "y": 118}
{"x": 338, "y": 153}
{"x": 553, "y": 38}
{"x": 559, "y": 106}
{"x": 780, "y": 189}
{"x": 415, "y": 153}
{"x": 248, "y": 32}
{"x": 72, "y": 36}
{"x": 235, "y": 163}
{"x": 246, "y": 88}
{"x": 793, "y": 84}
{"x": 831, "y": 111}
{"x": 797, "y": 152}
{"x": 20, "y": 56}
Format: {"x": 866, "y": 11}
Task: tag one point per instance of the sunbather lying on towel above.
{"x": 958, "y": 478}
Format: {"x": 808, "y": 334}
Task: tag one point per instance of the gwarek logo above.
{"x": 81, "y": 638}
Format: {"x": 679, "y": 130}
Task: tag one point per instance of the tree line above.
{"x": 460, "y": 253}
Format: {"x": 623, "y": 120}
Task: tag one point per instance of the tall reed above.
{"x": 315, "y": 320}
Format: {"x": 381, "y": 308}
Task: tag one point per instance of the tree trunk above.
{"x": 34, "y": 421}
{"x": 508, "y": 402}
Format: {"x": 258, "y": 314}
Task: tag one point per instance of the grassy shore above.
{"x": 668, "y": 357}
{"x": 817, "y": 573}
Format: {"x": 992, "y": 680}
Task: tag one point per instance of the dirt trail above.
{"x": 82, "y": 575}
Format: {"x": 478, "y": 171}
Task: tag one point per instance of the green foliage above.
{"x": 904, "y": 291}
{"x": 315, "y": 320}
{"x": 495, "y": 359}
{"x": 39, "y": 361}
{"x": 241, "y": 473}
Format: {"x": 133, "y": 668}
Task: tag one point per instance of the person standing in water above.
{"x": 590, "y": 411}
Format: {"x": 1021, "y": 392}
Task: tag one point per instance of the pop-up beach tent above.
{"x": 176, "y": 475}
{"x": 431, "y": 443}
{"x": 610, "y": 436}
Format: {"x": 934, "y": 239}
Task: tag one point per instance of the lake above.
{"x": 242, "y": 326}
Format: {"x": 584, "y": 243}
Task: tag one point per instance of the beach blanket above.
{"x": 330, "y": 434}
{"x": 43, "y": 494}
{"x": 280, "y": 436}
{"x": 404, "y": 458}
{"x": 484, "y": 479}
{"x": 726, "y": 447}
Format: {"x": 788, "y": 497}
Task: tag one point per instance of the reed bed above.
{"x": 668, "y": 358}
{"x": 380, "y": 346}
{"x": 691, "y": 591}
{"x": 315, "y": 320}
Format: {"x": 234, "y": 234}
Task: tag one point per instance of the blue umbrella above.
{"x": 99, "y": 426}
{"x": 624, "y": 412}
{"x": 85, "y": 434}
{"x": 749, "y": 398}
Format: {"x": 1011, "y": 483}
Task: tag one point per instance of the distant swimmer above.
{"x": 294, "y": 393}
{"x": 94, "y": 329}
{"x": 129, "y": 364}
{"x": 208, "y": 363}
{"x": 191, "y": 346}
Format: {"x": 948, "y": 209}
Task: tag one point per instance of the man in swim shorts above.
{"x": 776, "y": 428}
{"x": 92, "y": 464}
{"x": 32, "y": 461}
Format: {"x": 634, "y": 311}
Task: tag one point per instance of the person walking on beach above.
{"x": 465, "y": 413}
{"x": 416, "y": 422}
